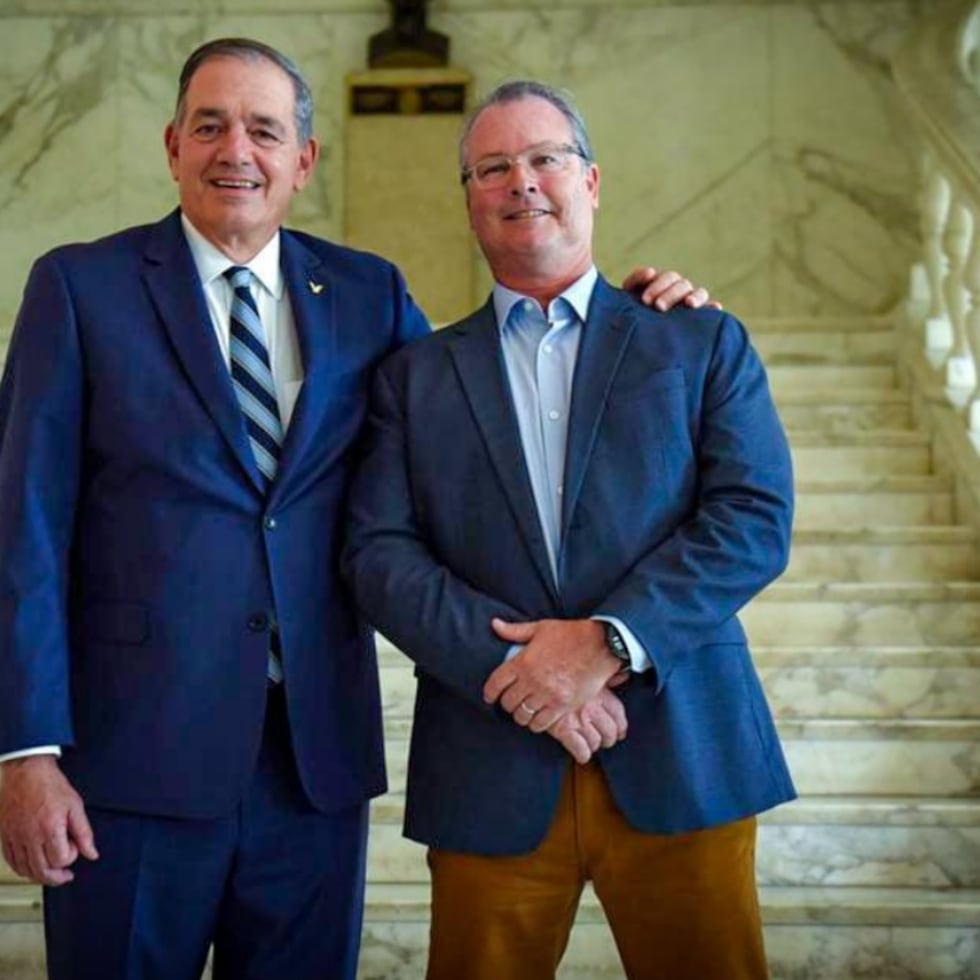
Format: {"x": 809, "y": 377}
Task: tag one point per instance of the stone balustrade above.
{"x": 938, "y": 72}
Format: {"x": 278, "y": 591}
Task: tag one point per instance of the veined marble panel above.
{"x": 58, "y": 141}
{"x": 844, "y": 220}
{"x": 151, "y": 52}
{"x": 683, "y": 151}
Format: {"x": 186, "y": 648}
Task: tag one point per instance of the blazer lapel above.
{"x": 311, "y": 296}
{"x": 480, "y": 365}
{"x": 174, "y": 287}
{"x": 607, "y": 331}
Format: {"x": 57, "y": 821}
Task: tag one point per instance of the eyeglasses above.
{"x": 542, "y": 159}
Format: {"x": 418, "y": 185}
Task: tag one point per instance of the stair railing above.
{"x": 937, "y": 70}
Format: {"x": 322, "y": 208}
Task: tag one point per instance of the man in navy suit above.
{"x": 172, "y": 621}
{"x": 564, "y": 501}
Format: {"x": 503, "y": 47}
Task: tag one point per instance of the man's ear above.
{"x": 592, "y": 182}
{"x": 308, "y": 156}
{"x": 171, "y": 142}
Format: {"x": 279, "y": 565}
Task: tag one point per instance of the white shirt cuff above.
{"x": 54, "y": 750}
{"x": 639, "y": 659}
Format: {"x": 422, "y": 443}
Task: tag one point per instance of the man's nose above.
{"x": 522, "y": 177}
{"x": 235, "y": 146}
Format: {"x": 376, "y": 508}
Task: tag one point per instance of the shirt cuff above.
{"x": 639, "y": 658}
{"x": 515, "y": 649}
{"x": 54, "y": 750}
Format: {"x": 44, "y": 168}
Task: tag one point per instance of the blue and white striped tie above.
{"x": 252, "y": 375}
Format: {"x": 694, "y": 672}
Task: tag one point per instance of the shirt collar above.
{"x": 577, "y": 296}
{"x": 211, "y": 262}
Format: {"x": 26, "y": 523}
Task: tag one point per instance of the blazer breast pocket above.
{"x": 665, "y": 385}
{"x": 646, "y": 412}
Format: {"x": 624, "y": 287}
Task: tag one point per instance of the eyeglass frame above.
{"x": 569, "y": 149}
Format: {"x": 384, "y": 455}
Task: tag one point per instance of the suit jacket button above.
{"x": 258, "y": 622}
{"x": 270, "y": 523}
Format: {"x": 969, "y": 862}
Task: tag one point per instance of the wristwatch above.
{"x": 616, "y": 643}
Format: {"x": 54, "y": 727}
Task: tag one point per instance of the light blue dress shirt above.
{"x": 540, "y": 350}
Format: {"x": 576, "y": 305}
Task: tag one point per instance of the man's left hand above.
{"x": 564, "y": 663}
{"x": 664, "y": 288}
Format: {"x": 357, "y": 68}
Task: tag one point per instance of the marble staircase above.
{"x": 869, "y": 648}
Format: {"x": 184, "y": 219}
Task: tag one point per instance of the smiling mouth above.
{"x": 528, "y": 213}
{"x": 241, "y": 183}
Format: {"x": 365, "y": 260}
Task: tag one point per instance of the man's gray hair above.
{"x": 526, "y": 89}
{"x": 248, "y": 50}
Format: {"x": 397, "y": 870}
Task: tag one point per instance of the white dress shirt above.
{"x": 540, "y": 351}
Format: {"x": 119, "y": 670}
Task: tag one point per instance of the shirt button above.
{"x": 548, "y": 348}
{"x": 561, "y": 490}
{"x": 554, "y": 415}
{"x": 258, "y": 622}
{"x": 270, "y": 523}
{"x": 528, "y": 305}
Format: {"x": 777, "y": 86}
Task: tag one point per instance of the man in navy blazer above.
{"x": 565, "y": 500}
{"x": 148, "y": 571}
{"x": 150, "y": 567}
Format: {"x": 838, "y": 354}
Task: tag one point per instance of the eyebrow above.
{"x": 206, "y": 112}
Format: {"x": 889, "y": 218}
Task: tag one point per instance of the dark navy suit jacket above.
{"x": 677, "y": 511}
{"x": 140, "y": 564}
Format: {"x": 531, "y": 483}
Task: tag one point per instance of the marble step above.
{"x": 882, "y": 554}
{"x": 876, "y": 757}
{"x": 834, "y": 341}
{"x": 880, "y": 452}
{"x": 791, "y": 377}
{"x": 821, "y": 840}
{"x": 853, "y": 841}
{"x": 870, "y": 682}
{"x": 844, "y": 410}
{"x": 818, "y": 682}
{"x": 870, "y": 500}
{"x": 812, "y": 933}
{"x": 896, "y": 614}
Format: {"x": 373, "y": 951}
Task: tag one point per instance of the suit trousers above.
{"x": 276, "y": 886}
{"x": 681, "y": 907}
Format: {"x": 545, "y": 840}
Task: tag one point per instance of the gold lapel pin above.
{"x": 315, "y": 287}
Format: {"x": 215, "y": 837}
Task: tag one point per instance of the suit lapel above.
{"x": 480, "y": 366}
{"x": 174, "y": 287}
{"x": 311, "y": 296}
{"x": 607, "y": 331}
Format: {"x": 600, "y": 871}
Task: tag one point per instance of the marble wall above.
{"x": 758, "y": 146}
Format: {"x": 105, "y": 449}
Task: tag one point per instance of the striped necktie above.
{"x": 252, "y": 375}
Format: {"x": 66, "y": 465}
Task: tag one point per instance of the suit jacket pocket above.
{"x": 116, "y": 622}
{"x": 629, "y": 388}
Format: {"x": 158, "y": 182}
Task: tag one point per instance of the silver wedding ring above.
{"x": 524, "y": 707}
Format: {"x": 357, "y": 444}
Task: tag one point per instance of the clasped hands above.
{"x": 560, "y": 683}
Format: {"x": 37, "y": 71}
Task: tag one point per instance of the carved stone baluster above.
{"x": 917, "y": 300}
{"x": 959, "y": 369}
{"x": 935, "y": 213}
{"x": 971, "y": 282}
